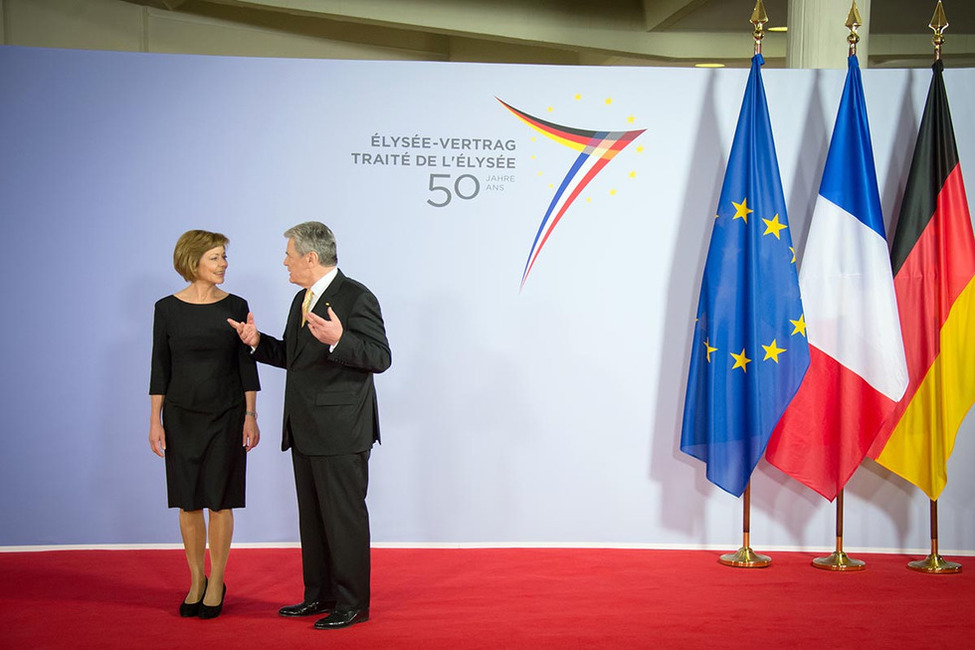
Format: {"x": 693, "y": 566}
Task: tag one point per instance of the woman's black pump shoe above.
{"x": 213, "y": 611}
{"x": 187, "y": 610}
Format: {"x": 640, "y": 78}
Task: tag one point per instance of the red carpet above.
{"x": 492, "y": 598}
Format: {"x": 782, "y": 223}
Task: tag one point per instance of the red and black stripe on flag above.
{"x": 928, "y": 230}
{"x": 932, "y": 255}
{"x": 933, "y": 171}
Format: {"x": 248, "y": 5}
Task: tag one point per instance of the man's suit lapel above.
{"x": 302, "y": 334}
{"x": 293, "y": 327}
{"x": 332, "y": 290}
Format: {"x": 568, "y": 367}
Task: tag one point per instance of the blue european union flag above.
{"x": 749, "y": 351}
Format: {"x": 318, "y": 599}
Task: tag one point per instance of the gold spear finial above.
{"x": 759, "y": 18}
{"x": 939, "y": 23}
{"x": 853, "y": 21}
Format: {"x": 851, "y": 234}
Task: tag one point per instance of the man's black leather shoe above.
{"x": 337, "y": 620}
{"x": 306, "y": 609}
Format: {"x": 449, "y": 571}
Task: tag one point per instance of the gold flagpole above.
{"x": 934, "y": 563}
{"x": 853, "y": 22}
{"x": 838, "y": 560}
{"x": 939, "y": 23}
{"x": 758, "y": 20}
{"x": 745, "y": 557}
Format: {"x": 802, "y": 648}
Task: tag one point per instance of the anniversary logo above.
{"x": 466, "y": 165}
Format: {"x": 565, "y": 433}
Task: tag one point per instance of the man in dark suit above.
{"x": 333, "y": 343}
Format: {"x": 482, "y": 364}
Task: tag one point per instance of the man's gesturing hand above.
{"x": 246, "y": 331}
{"x": 327, "y": 331}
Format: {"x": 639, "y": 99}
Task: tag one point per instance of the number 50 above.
{"x": 447, "y": 196}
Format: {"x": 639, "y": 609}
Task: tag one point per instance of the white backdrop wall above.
{"x": 543, "y": 415}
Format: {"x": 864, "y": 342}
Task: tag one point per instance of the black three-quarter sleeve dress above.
{"x": 203, "y": 369}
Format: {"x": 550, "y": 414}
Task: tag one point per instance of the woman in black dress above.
{"x": 203, "y": 391}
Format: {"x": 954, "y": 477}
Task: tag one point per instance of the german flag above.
{"x": 933, "y": 261}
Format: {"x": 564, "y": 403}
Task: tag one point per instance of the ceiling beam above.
{"x": 542, "y": 23}
{"x": 609, "y": 30}
{"x": 171, "y": 5}
{"x": 661, "y": 14}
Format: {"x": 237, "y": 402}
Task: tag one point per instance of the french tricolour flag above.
{"x": 857, "y": 370}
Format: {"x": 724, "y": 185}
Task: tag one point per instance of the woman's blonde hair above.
{"x": 190, "y": 247}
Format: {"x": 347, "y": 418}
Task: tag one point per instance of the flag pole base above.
{"x": 746, "y": 558}
{"x": 839, "y": 561}
{"x": 934, "y": 563}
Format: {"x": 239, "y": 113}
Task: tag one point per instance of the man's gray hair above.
{"x": 314, "y": 236}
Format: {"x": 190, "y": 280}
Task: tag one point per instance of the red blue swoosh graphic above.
{"x": 596, "y": 149}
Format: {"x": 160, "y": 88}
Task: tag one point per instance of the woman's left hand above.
{"x": 252, "y": 433}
